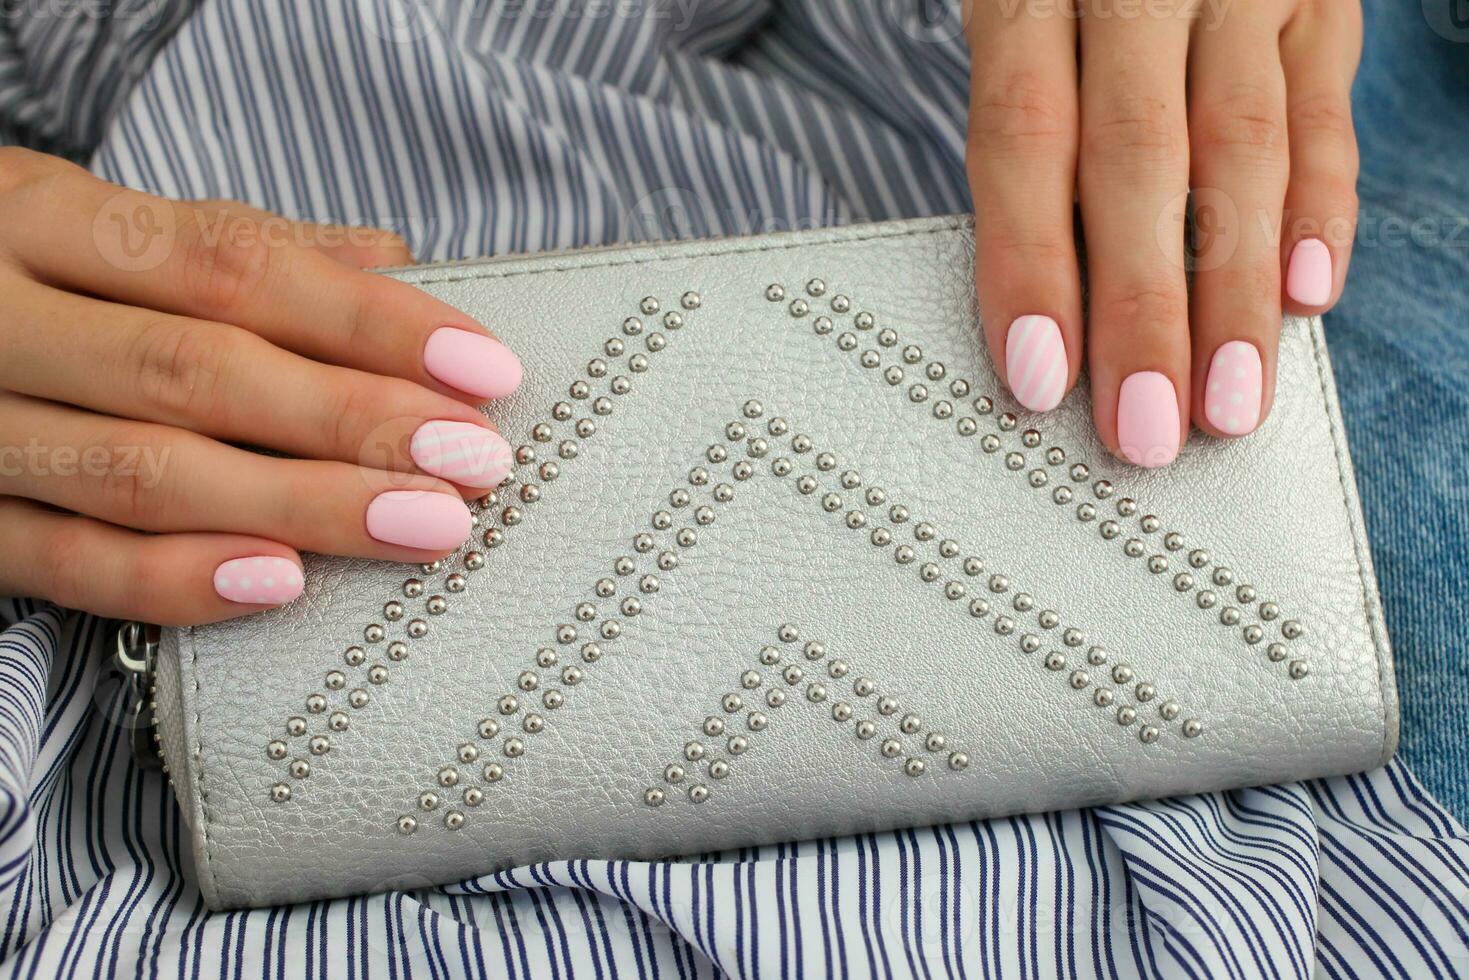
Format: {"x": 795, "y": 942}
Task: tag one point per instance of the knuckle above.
{"x": 20, "y": 166}
{"x": 1015, "y": 255}
{"x": 1323, "y": 116}
{"x": 126, "y": 491}
{"x": 350, "y": 406}
{"x": 1016, "y": 111}
{"x": 1131, "y": 129}
{"x": 179, "y": 368}
{"x": 1146, "y": 303}
{"x": 225, "y": 261}
{"x": 66, "y": 565}
{"x": 1245, "y": 119}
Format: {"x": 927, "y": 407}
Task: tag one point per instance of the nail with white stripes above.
{"x": 1035, "y": 362}
{"x": 462, "y": 453}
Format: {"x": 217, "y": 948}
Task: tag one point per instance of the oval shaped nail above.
{"x": 262, "y": 580}
{"x": 1232, "y": 393}
{"x": 1035, "y": 362}
{"x": 1308, "y": 281}
{"x": 1148, "y": 420}
{"x": 475, "y": 363}
{"x": 463, "y": 452}
{"x": 418, "y": 519}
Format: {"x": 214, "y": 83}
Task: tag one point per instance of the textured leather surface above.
{"x": 1278, "y": 511}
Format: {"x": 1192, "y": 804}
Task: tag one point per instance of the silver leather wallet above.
{"x": 781, "y": 559}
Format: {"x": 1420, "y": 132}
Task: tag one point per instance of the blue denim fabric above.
{"x": 1400, "y": 343}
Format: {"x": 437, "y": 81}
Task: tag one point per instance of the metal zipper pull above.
{"x": 134, "y": 660}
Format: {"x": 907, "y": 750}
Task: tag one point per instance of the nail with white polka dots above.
{"x": 259, "y": 580}
{"x": 1232, "y": 393}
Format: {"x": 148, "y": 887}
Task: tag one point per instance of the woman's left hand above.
{"x": 1128, "y": 105}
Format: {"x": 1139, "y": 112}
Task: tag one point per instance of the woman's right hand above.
{"x": 143, "y": 338}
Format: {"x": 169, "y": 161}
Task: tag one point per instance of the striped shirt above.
{"x": 476, "y": 128}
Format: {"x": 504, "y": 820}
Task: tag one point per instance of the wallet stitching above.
{"x": 712, "y": 253}
{"x": 1368, "y": 607}
{"x": 208, "y": 863}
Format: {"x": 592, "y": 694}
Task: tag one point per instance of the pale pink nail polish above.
{"x": 462, "y": 452}
{"x": 418, "y": 519}
{"x": 262, "y": 580}
{"x": 1035, "y": 362}
{"x": 1147, "y": 419}
{"x": 474, "y": 363}
{"x": 1232, "y": 394}
{"x": 1308, "y": 281}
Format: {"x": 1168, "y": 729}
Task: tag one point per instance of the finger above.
{"x": 169, "y": 579}
{"x": 246, "y": 271}
{"x": 1240, "y": 162}
{"x": 1133, "y": 182}
{"x": 153, "y": 478}
{"x": 357, "y": 246}
{"x": 234, "y": 386}
{"x": 1022, "y": 174}
{"x": 1320, "y": 48}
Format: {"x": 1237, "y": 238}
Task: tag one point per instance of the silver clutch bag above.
{"x": 780, "y": 559}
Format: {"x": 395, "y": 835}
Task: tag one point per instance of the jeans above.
{"x": 1399, "y": 341}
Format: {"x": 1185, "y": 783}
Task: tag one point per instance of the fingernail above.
{"x": 262, "y": 580}
{"x": 1308, "y": 281}
{"x": 418, "y": 519}
{"x": 472, "y": 362}
{"x": 1147, "y": 419}
{"x": 1035, "y": 362}
{"x": 1232, "y": 393}
{"x": 462, "y": 452}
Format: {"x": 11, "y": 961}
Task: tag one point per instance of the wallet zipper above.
{"x": 135, "y": 661}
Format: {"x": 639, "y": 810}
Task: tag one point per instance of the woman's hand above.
{"x": 1126, "y": 105}
{"x": 142, "y": 338}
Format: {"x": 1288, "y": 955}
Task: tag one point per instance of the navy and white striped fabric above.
{"x": 477, "y": 128}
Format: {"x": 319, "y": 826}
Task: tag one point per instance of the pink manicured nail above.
{"x": 1308, "y": 281}
{"x": 1035, "y": 362}
{"x": 1147, "y": 419}
{"x": 462, "y": 452}
{"x": 262, "y": 581}
{"x": 418, "y": 519}
{"x": 1232, "y": 393}
{"x": 472, "y": 362}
